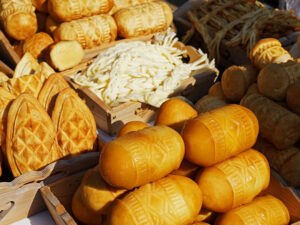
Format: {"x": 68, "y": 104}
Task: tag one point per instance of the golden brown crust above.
{"x": 26, "y": 66}
{"x": 292, "y": 97}
{"x": 216, "y": 90}
{"x": 236, "y": 80}
{"x": 82, "y": 213}
{"x": 5, "y": 100}
{"x": 74, "y": 123}
{"x": 89, "y": 31}
{"x": 40, "y": 5}
{"x": 30, "y": 84}
{"x": 227, "y": 131}
{"x": 276, "y": 124}
{"x": 68, "y": 10}
{"x": 246, "y": 175}
{"x": 120, "y": 4}
{"x": 268, "y": 50}
{"x": 143, "y": 19}
{"x": 274, "y": 79}
{"x": 53, "y": 85}
{"x": 37, "y": 43}
{"x": 262, "y": 45}
{"x": 285, "y": 161}
{"x": 93, "y": 198}
{"x": 3, "y": 77}
{"x": 132, "y": 126}
{"x": 31, "y": 141}
{"x": 18, "y": 18}
{"x": 173, "y": 113}
{"x": 141, "y": 157}
{"x": 208, "y": 103}
{"x": 64, "y": 55}
{"x": 46, "y": 69}
{"x": 274, "y": 212}
{"x": 171, "y": 200}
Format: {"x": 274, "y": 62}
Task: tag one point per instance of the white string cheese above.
{"x": 147, "y": 72}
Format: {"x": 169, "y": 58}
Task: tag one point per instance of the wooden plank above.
{"x": 21, "y": 203}
{"x": 5, "y": 69}
{"x": 56, "y": 209}
{"x": 20, "y": 198}
{"x": 10, "y": 57}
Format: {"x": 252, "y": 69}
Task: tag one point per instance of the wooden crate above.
{"x": 111, "y": 119}
{"x": 228, "y": 55}
{"x": 21, "y": 198}
{"x": 58, "y": 198}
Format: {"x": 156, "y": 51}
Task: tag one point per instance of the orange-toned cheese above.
{"x": 266, "y": 210}
{"x": 219, "y": 134}
{"x": 140, "y": 157}
{"x": 235, "y": 181}
{"x": 173, "y": 200}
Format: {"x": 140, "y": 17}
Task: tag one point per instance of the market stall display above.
{"x": 192, "y": 146}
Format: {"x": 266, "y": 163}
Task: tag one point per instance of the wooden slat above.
{"x": 56, "y": 209}
{"x": 24, "y": 202}
{"x": 7, "y": 51}
{"x": 5, "y": 69}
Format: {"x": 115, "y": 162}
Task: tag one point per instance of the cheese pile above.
{"x": 147, "y": 72}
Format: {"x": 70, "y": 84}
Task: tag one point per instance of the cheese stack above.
{"x": 271, "y": 92}
{"x": 30, "y": 138}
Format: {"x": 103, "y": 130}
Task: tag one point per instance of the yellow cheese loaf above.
{"x": 67, "y": 10}
{"x": 174, "y": 112}
{"x": 173, "y": 200}
{"x": 93, "y": 198}
{"x": 37, "y": 43}
{"x": 235, "y": 181}
{"x": 266, "y": 210}
{"x": 219, "y": 134}
{"x": 18, "y": 18}
{"x": 88, "y": 31}
{"x": 216, "y": 90}
{"x": 140, "y": 157}
{"x": 132, "y": 126}
{"x": 120, "y": 4}
{"x": 143, "y": 19}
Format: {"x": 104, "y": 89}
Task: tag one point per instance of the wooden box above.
{"x": 58, "y": 197}
{"x": 228, "y": 55}
{"x": 111, "y": 119}
{"x": 21, "y": 198}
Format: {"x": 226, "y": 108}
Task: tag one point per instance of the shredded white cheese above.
{"x": 147, "y": 72}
